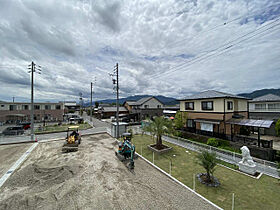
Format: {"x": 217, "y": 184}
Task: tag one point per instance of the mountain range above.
{"x": 165, "y": 100}
{"x": 262, "y": 92}
{"x": 172, "y": 101}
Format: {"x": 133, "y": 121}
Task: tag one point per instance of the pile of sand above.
{"x": 92, "y": 178}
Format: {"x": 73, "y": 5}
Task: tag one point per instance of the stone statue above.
{"x": 247, "y": 164}
{"x": 246, "y": 157}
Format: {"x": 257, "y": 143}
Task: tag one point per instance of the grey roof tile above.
{"x": 268, "y": 97}
{"x": 211, "y": 94}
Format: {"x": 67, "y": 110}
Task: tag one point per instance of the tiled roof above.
{"x": 140, "y": 101}
{"x": 114, "y": 109}
{"x": 211, "y": 94}
{"x": 268, "y": 97}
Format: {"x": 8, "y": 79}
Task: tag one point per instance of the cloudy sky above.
{"x": 167, "y": 47}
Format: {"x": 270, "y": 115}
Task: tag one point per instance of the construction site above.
{"x": 90, "y": 178}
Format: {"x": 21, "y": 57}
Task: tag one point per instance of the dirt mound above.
{"x": 41, "y": 176}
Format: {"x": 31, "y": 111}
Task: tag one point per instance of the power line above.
{"x": 225, "y": 46}
{"x": 217, "y": 26}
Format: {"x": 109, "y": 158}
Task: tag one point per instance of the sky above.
{"x": 173, "y": 47}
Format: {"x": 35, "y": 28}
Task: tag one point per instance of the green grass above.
{"x": 60, "y": 128}
{"x": 249, "y": 193}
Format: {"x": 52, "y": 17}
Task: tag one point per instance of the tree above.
{"x": 96, "y": 104}
{"x": 277, "y": 127}
{"x": 208, "y": 161}
{"x": 158, "y": 127}
{"x": 180, "y": 120}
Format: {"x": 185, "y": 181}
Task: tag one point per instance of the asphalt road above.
{"x": 98, "y": 126}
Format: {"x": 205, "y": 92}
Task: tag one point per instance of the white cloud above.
{"x": 74, "y": 41}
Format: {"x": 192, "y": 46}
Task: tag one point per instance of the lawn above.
{"x": 61, "y": 128}
{"x": 249, "y": 193}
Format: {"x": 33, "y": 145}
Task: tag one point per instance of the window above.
{"x": 146, "y": 106}
{"x": 189, "y": 106}
{"x": 260, "y": 106}
{"x": 47, "y": 107}
{"x": 207, "y": 105}
{"x": 158, "y": 106}
{"x": 2, "y": 105}
{"x": 24, "y": 107}
{"x": 229, "y": 105}
{"x": 37, "y": 107}
{"x": 57, "y": 107}
{"x": 274, "y": 106}
{"x": 190, "y": 123}
{"x": 13, "y": 107}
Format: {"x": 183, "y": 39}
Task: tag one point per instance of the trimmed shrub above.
{"x": 213, "y": 142}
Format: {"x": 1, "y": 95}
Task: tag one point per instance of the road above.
{"x": 98, "y": 126}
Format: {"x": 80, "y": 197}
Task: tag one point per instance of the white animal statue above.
{"x": 246, "y": 157}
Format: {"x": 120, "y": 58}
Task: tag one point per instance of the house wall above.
{"x": 252, "y": 107}
{"x": 152, "y": 103}
{"x": 215, "y": 116}
{"x": 51, "y": 114}
{"x": 239, "y": 105}
{"x": 129, "y": 108}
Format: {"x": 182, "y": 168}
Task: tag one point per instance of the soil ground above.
{"x": 9, "y": 154}
{"x": 92, "y": 178}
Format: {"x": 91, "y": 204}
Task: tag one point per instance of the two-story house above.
{"x": 208, "y": 112}
{"x": 266, "y": 107}
{"x": 20, "y": 111}
{"x": 144, "y": 108}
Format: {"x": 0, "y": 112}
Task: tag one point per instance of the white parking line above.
{"x": 17, "y": 164}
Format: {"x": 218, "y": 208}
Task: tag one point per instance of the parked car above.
{"x": 25, "y": 125}
{"x": 13, "y": 130}
{"x": 74, "y": 120}
{"x": 125, "y": 119}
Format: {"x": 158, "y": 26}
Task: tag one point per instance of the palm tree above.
{"x": 158, "y": 127}
{"x": 208, "y": 161}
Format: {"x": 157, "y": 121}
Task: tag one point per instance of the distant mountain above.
{"x": 165, "y": 100}
{"x": 262, "y": 92}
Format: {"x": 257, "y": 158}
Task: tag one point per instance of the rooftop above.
{"x": 268, "y": 97}
{"x": 140, "y": 101}
{"x": 211, "y": 94}
{"x": 114, "y": 109}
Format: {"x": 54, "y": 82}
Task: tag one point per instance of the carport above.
{"x": 251, "y": 123}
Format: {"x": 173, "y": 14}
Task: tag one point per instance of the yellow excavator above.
{"x": 73, "y": 139}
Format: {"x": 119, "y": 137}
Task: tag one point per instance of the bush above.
{"x": 244, "y": 131}
{"x": 277, "y": 127}
{"x": 224, "y": 143}
{"x": 213, "y": 142}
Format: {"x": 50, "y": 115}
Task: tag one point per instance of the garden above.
{"x": 250, "y": 193}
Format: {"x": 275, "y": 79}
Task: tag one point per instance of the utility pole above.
{"x": 32, "y": 68}
{"x": 81, "y": 103}
{"x": 117, "y": 73}
{"x": 115, "y": 79}
{"x": 91, "y": 84}
{"x": 91, "y": 101}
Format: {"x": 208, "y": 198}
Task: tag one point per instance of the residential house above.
{"x": 208, "y": 112}
{"x": 146, "y": 107}
{"x": 70, "y": 106}
{"x": 111, "y": 111}
{"x": 11, "y": 112}
{"x": 266, "y": 107}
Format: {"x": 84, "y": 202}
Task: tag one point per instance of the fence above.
{"x": 263, "y": 166}
{"x": 267, "y": 167}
